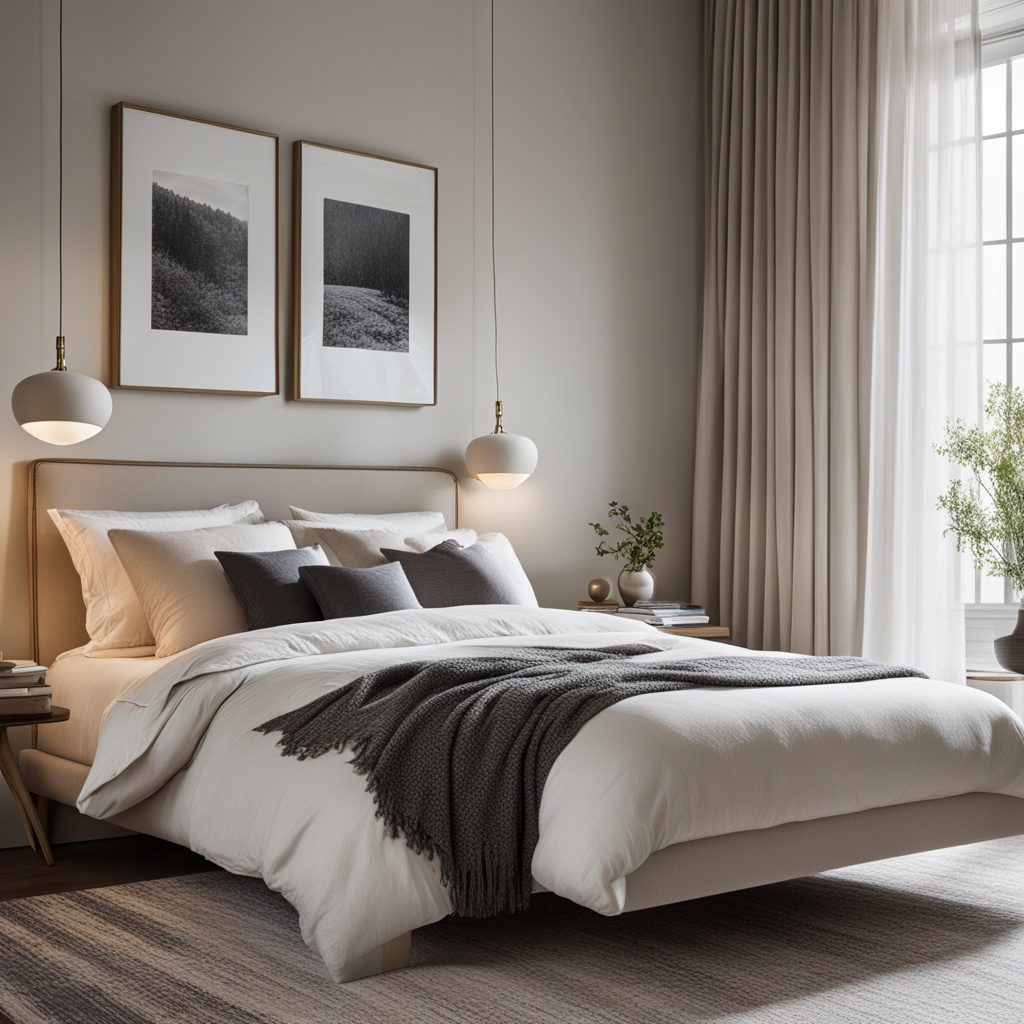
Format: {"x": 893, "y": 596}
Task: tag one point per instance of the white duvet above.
{"x": 178, "y": 757}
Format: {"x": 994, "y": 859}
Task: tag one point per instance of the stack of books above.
{"x": 666, "y": 613}
{"x": 23, "y": 689}
{"x": 598, "y": 606}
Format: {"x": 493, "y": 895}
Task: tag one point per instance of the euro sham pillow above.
{"x": 361, "y": 549}
{"x": 342, "y": 592}
{"x": 268, "y": 586}
{"x": 405, "y": 523}
{"x": 114, "y": 618}
{"x": 180, "y": 583}
{"x": 487, "y": 572}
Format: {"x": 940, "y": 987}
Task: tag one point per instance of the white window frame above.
{"x": 1002, "y": 31}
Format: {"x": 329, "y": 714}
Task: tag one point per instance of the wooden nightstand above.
{"x": 705, "y": 631}
{"x": 12, "y": 776}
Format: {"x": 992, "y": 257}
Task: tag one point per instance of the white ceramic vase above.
{"x": 635, "y": 586}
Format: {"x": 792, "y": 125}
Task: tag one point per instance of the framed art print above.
{"x": 193, "y": 254}
{"x": 365, "y": 278}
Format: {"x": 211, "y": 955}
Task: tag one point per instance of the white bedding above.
{"x": 88, "y": 685}
{"x": 646, "y": 773}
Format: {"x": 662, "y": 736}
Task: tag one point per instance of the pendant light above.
{"x": 58, "y": 406}
{"x": 499, "y": 459}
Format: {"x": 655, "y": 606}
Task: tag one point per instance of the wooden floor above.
{"x": 94, "y": 864}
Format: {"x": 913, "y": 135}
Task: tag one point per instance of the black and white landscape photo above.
{"x": 200, "y": 255}
{"x": 366, "y": 277}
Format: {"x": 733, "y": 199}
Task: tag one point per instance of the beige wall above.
{"x": 599, "y": 228}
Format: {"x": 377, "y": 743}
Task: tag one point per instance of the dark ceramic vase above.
{"x": 1010, "y": 649}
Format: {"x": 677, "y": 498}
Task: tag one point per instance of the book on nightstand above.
{"x": 661, "y": 607}
{"x": 666, "y": 613}
{"x": 598, "y": 606}
{"x": 25, "y": 700}
{"x": 670, "y": 620}
{"x": 20, "y": 673}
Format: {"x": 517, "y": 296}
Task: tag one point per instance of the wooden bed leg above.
{"x": 396, "y": 953}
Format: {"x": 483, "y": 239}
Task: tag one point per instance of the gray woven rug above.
{"x": 933, "y": 938}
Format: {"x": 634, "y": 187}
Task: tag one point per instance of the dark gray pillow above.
{"x": 268, "y": 587}
{"x": 342, "y": 592}
{"x": 450, "y": 574}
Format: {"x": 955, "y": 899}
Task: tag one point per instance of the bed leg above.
{"x": 396, "y": 953}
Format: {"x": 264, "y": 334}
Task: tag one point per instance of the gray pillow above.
{"x": 268, "y": 587}
{"x": 343, "y": 592}
{"x": 450, "y": 574}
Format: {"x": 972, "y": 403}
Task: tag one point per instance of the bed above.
{"x": 198, "y": 775}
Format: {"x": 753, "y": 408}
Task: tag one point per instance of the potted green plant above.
{"x": 985, "y": 507}
{"x": 637, "y": 546}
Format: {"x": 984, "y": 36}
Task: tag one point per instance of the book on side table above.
{"x": 654, "y": 613}
{"x": 19, "y": 673}
{"x": 666, "y": 613}
{"x": 23, "y": 689}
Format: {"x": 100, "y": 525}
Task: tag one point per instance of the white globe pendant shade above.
{"x": 61, "y": 407}
{"x": 501, "y": 460}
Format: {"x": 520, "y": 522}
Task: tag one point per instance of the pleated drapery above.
{"x": 810, "y": 174}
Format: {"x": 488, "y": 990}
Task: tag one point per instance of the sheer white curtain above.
{"x": 841, "y": 157}
{"x": 926, "y": 353}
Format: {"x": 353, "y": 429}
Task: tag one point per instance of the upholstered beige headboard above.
{"x": 58, "y": 615}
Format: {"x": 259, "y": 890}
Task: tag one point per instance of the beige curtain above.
{"x": 780, "y": 512}
{"x": 840, "y": 322}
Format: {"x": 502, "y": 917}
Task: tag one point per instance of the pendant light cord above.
{"x": 494, "y": 268}
{"x": 60, "y": 180}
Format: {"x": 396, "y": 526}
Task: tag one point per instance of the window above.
{"x": 1002, "y": 226}
{"x": 989, "y": 611}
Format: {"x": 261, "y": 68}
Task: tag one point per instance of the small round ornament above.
{"x": 599, "y": 588}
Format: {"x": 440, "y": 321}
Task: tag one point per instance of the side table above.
{"x": 12, "y": 776}
{"x": 705, "y": 631}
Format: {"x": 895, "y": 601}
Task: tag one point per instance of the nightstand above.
{"x": 12, "y": 776}
{"x": 705, "y": 631}
{"x": 1009, "y": 688}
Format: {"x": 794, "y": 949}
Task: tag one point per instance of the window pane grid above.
{"x": 1002, "y": 252}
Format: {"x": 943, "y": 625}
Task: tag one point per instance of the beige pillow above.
{"x": 181, "y": 585}
{"x": 114, "y": 618}
{"x": 361, "y": 549}
{"x": 404, "y": 523}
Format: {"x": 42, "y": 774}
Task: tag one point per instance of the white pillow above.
{"x": 113, "y": 616}
{"x": 404, "y": 523}
{"x": 180, "y": 583}
{"x": 360, "y": 549}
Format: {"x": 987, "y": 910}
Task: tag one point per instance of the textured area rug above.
{"x": 933, "y": 938}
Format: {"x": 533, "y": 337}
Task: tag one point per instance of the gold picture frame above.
{"x": 365, "y": 278}
{"x": 194, "y": 254}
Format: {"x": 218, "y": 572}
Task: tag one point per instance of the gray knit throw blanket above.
{"x": 456, "y": 752}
